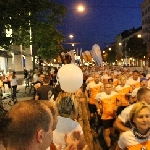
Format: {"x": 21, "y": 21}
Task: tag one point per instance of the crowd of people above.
{"x": 112, "y": 101}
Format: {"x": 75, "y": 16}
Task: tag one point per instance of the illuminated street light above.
{"x": 71, "y": 36}
{"x": 139, "y": 35}
{"x": 80, "y": 8}
{"x": 120, "y": 44}
{"x": 109, "y": 48}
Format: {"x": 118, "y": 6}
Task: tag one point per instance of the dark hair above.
{"x": 27, "y": 117}
{"x": 141, "y": 92}
{"x": 135, "y": 71}
{"x": 65, "y": 106}
{"x": 46, "y": 79}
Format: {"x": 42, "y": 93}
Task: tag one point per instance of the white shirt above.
{"x": 128, "y": 139}
{"x": 64, "y": 126}
{"x": 13, "y": 81}
{"x": 124, "y": 116}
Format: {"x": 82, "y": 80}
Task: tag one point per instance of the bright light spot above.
{"x": 71, "y": 36}
{"x": 109, "y": 48}
{"x": 139, "y": 35}
{"x": 120, "y": 44}
{"x": 103, "y": 51}
{"x": 80, "y": 8}
{"x": 72, "y": 44}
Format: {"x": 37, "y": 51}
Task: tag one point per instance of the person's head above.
{"x": 143, "y": 82}
{"x": 46, "y": 79}
{"x": 96, "y": 78}
{"x": 92, "y": 74}
{"x": 41, "y": 77}
{"x": 142, "y": 75}
{"x": 139, "y": 116}
{"x": 110, "y": 80}
{"x": 143, "y": 94}
{"x": 4, "y": 122}
{"x": 102, "y": 88}
{"x": 54, "y": 112}
{"x": 66, "y": 107}
{"x": 108, "y": 88}
{"x": 123, "y": 80}
{"x": 135, "y": 75}
{"x": 9, "y": 70}
{"x": 31, "y": 126}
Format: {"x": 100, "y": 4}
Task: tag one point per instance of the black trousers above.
{"x": 14, "y": 90}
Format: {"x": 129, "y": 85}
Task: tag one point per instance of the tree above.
{"x": 111, "y": 57}
{"x": 136, "y": 47}
{"x": 41, "y": 16}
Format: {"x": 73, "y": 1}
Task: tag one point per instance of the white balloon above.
{"x": 70, "y": 78}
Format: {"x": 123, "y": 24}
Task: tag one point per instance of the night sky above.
{"x": 101, "y": 22}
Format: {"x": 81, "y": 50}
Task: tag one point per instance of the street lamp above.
{"x": 109, "y": 48}
{"x": 139, "y": 35}
{"x": 80, "y": 8}
{"x": 71, "y": 36}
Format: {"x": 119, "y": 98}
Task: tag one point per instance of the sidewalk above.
{"x": 21, "y": 96}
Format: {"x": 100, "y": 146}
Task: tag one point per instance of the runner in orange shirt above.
{"x": 93, "y": 88}
{"x": 108, "y": 103}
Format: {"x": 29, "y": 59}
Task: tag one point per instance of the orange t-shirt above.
{"x": 109, "y": 103}
{"x": 123, "y": 91}
{"x": 94, "y": 89}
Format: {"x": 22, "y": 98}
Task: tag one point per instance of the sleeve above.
{"x": 124, "y": 116}
{"x": 121, "y": 142}
{"x": 134, "y": 92}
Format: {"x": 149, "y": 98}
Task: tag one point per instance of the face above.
{"x": 146, "y": 97}
{"x": 41, "y": 77}
{"x": 108, "y": 88}
{"x": 135, "y": 76}
{"x": 142, "y": 120}
{"x": 144, "y": 83}
{"x": 96, "y": 78}
{"x": 123, "y": 80}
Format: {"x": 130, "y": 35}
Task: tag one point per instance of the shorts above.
{"x": 92, "y": 108}
{"x": 8, "y": 82}
{"x": 108, "y": 123}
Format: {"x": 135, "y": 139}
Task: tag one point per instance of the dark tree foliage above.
{"x": 41, "y": 16}
{"x": 136, "y": 47}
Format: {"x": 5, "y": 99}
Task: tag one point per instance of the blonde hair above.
{"x": 136, "y": 109}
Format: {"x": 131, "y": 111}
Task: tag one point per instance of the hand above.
{"x": 36, "y": 86}
{"x": 69, "y": 147}
{"x": 77, "y": 139}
